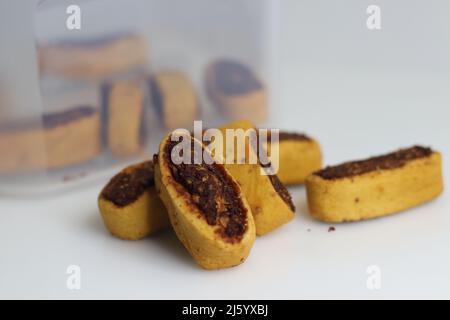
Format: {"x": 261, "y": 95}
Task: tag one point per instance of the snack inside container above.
{"x": 88, "y": 87}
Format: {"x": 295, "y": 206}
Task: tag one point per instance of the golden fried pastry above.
{"x": 299, "y": 156}
{"x": 61, "y": 139}
{"x": 174, "y": 98}
{"x": 206, "y": 206}
{"x": 268, "y": 198}
{"x": 95, "y": 58}
{"x": 124, "y": 117}
{"x": 236, "y": 90}
{"x": 375, "y": 187}
{"x": 130, "y": 205}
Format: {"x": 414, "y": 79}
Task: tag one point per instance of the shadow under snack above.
{"x": 170, "y": 244}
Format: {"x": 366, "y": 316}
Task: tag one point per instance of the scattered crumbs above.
{"x": 331, "y": 229}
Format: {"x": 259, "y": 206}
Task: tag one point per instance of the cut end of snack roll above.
{"x": 299, "y": 156}
{"x": 376, "y": 186}
{"x": 206, "y": 207}
{"x": 129, "y": 204}
{"x": 268, "y": 198}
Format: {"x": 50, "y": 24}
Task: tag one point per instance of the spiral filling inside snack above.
{"x": 284, "y": 135}
{"x": 214, "y": 193}
{"x": 282, "y": 191}
{"x": 156, "y": 96}
{"x": 233, "y": 78}
{"x": 127, "y": 186}
{"x": 274, "y": 180}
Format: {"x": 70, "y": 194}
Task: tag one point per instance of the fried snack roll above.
{"x": 206, "y": 207}
{"x": 124, "y": 113}
{"x": 95, "y": 58}
{"x": 375, "y": 187}
{"x": 130, "y": 205}
{"x": 268, "y": 198}
{"x": 79, "y": 128}
{"x": 174, "y": 98}
{"x": 299, "y": 156}
{"x": 236, "y": 90}
{"x": 61, "y": 139}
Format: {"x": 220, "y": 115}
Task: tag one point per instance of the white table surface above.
{"x": 360, "y": 94}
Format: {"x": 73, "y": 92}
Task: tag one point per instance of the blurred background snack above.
{"x": 68, "y": 137}
{"x": 123, "y": 117}
{"x": 22, "y": 148}
{"x": 174, "y": 99}
{"x": 93, "y": 58}
{"x": 139, "y": 68}
{"x": 236, "y": 90}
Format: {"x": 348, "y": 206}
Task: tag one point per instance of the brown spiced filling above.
{"x": 128, "y": 185}
{"x": 54, "y": 119}
{"x": 51, "y": 120}
{"x": 232, "y": 78}
{"x": 293, "y": 136}
{"x": 276, "y": 183}
{"x": 213, "y": 192}
{"x": 282, "y": 191}
{"x": 385, "y": 162}
{"x": 285, "y": 135}
{"x": 104, "y": 92}
{"x": 156, "y": 96}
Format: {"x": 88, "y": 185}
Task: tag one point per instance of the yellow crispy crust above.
{"x": 95, "y": 61}
{"x": 205, "y": 245}
{"x": 268, "y": 208}
{"x": 377, "y": 193}
{"x": 297, "y": 160}
{"x": 124, "y": 118}
{"x": 40, "y": 148}
{"x": 137, "y": 220}
{"x": 251, "y": 106}
{"x": 179, "y": 100}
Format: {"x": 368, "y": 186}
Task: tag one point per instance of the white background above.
{"x": 360, "y": 93}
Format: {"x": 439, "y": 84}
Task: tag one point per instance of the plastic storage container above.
{"x": 76, "y": 104}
